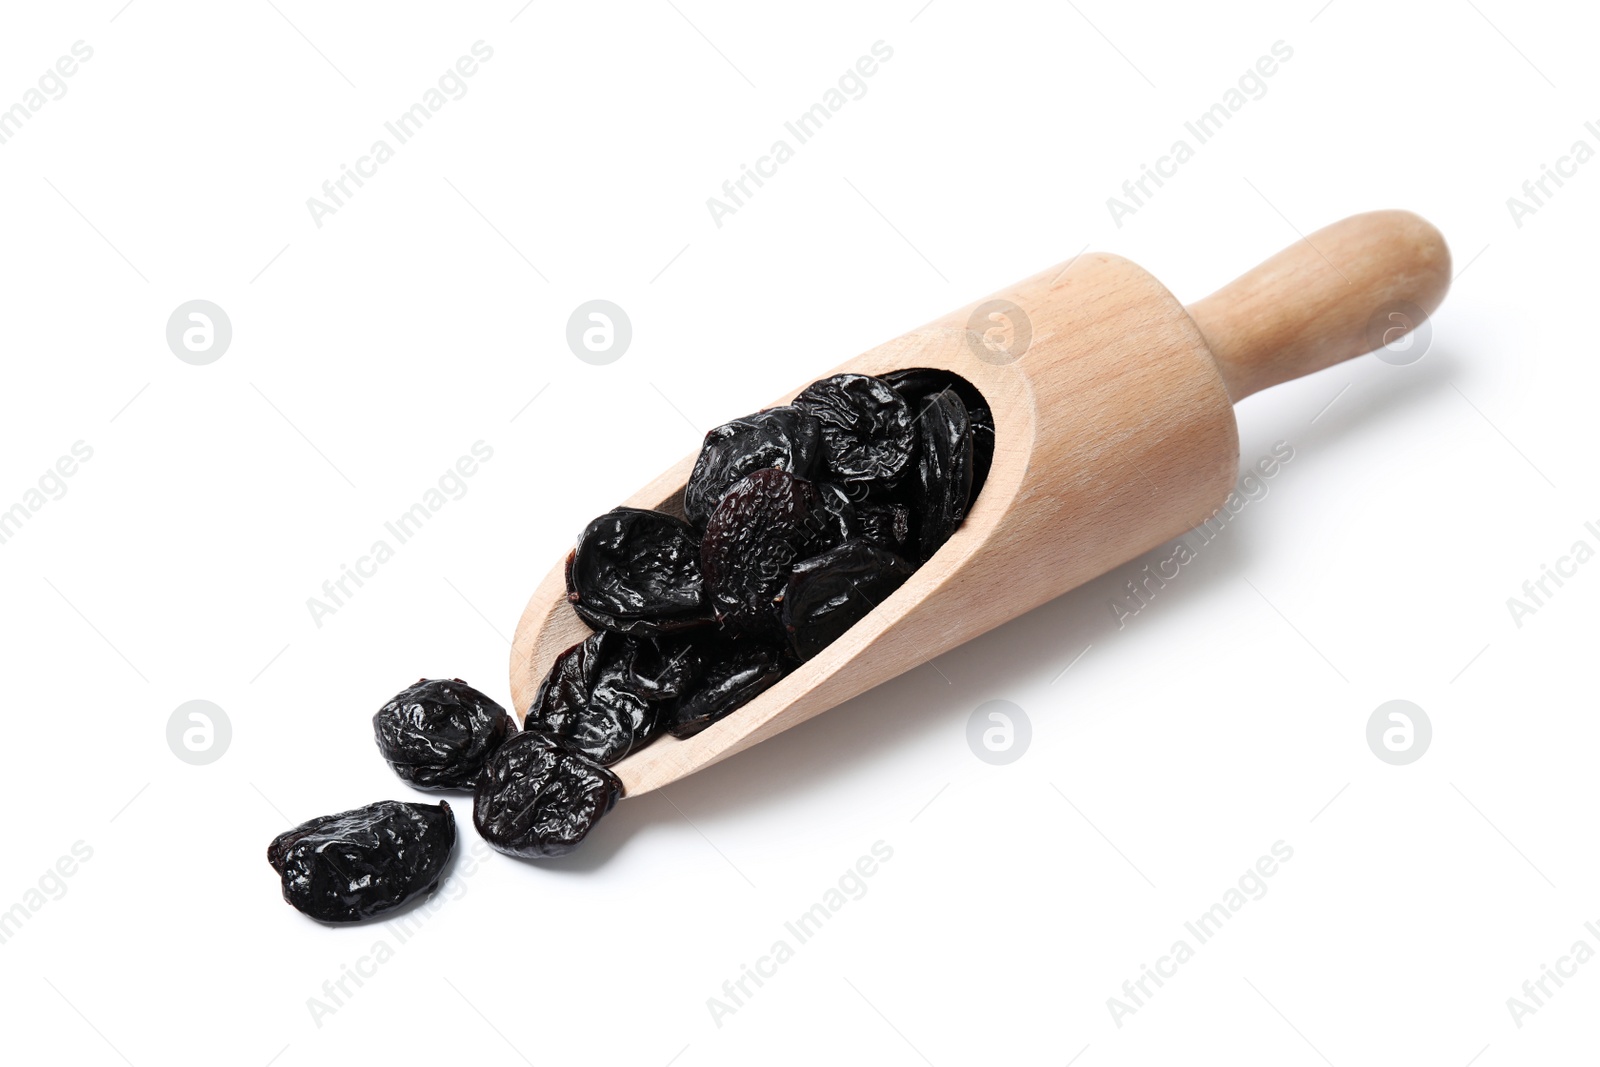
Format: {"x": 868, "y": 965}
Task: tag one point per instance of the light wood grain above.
{"x": 1114, "y": 433}
{"x": 1321, "y": 300}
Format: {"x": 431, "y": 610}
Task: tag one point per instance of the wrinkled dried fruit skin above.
{"x": 919, "y": 383}
{"x": 886, "y": 525}
{"x": 589, "y": 701}
{"x": 360, "y": 863}
{"x": 763, "y": 525}
{"x": 663, "y": 667}
{"x": 868, "y": 433}
{"x": 828, "y": 594}
{"x": 803, "y": 519}
{"x": 536, "y": 800}
{"x": 944, "y": 471}
{"x": 637, "y": 571}
{"x": 438, "y": 733}
{"x": 786, "y": 438}
{"x": 740, "y": 674}
{"x": 837, "y": 522}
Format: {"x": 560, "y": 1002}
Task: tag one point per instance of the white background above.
{"x": 425, "y": 315}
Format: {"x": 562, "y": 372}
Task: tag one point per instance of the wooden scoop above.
{"x": 1114, "y": 432}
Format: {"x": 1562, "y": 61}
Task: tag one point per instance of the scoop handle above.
{"x": 1348, "y": 289}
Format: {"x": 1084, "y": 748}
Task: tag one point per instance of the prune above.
{"x": 590, "y": 703}
{"x": 663, "y": 667}
{"x": 637, "y": 571}
{"x": 828, "y": 594}
{"x": 786, "y": 438}
{"x": 536, "y": 800}
{"x": 801, "y": 519}
{"x": 360, "y": 863}
{"x": 919, "y": 383}
{"x": 885, "y": 525}
{"x": 438, "y": 733}
{"x": 742, "y": 672}
{"x": 868, "y": 433}
{"x": 836, "y": 520}
{"x": 944, "y": 471}
{"x": 764, "y": 523}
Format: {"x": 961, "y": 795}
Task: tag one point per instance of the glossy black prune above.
{"x": 868, "y": 431}
{"x": 663, "y": 667}
{"x": 590, "y": 702}
{"x": 885, "y": 525}
{"x": 786, "y": 438}
{"x": 536, "y": 800}
{"x": 944, "y": 471}
{"x": 363, "y": 862}
{"x": 637, "y": 572}
{"x": 828, "y": 594}
{"x": 918, "y": 383}
{"x": 438, "y": 733}
{"x": 741, "y": 672}
{"x": 836, "y": 521}
{"x": 764, "y": 523}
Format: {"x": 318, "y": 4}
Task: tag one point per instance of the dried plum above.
{"x": 828, "y": 594}
{"x": 944, "y": 470}
{"x": 590, "y": 703}
{"x": 363, "y": 862}
{"x": 800, "y": 520}
{"x": 764, "y": 523}
{"x": 663, "y": 667}
{"x": 868, "y": 433}
{"x": 637, "y": 571}
{"x": 786, "y": 438}
{"x": 836, "y": 520}
{"x": 742, "y": 672}
{"x": 885, "y": 525}
{"x": 919, "y": 383}
{"x": 537, "y": 800}
{"x": 438, "y": 733}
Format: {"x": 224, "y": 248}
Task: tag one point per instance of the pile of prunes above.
{"x": 797, "y": 522}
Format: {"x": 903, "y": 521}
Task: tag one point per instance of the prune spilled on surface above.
{"x": 590, "y": 703}
{"x": 885, "y": 525}
{"x": 743, "y": 671}
{"x": 828, "y": 594}
{"x": 944, "y": 471}
{"x": 763, "y": 525}
{"x": 919, "y": 383}
{"x": 868, "y": 433}
{"x": 537, "y": 800}
{"x": 360, "y": 863}
{"x": 637, "y": 571}
{"x": 786, "y": 438}
{"x": 438, "y": 733}
{"x": 663, "y": 667}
